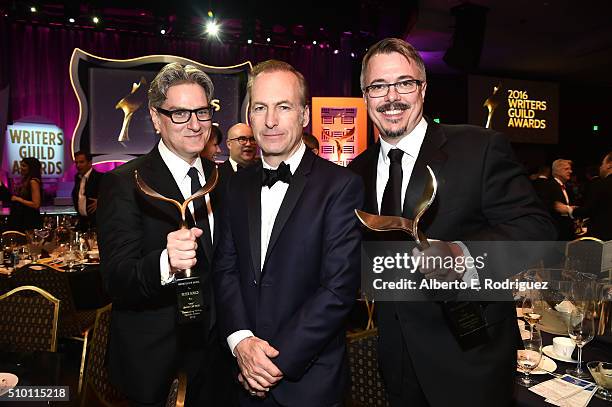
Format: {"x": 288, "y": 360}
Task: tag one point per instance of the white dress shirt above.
{"x": 410, "y": 145}
{"x": 271, "y": 200}
{"x": 82, "y": 201}
{"x": 233, "y": 163}
{"x": 179, "y": 169}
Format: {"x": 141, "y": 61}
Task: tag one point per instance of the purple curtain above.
{"x": 35, "y": 61}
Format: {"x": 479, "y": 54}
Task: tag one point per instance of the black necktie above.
{"x": 199, "y": 205}
{"x": 392, "y": 199}
{"x": 269, "y": 177}
{"x": 239, "y": 167}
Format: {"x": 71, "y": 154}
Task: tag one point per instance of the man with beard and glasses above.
{"x": 483, "y": 194}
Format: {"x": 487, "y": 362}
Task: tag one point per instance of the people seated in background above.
{"x": 211, "y": 149}
{"x": 85, "y": 191}
{"x": 598, "y": 203}
{"x": 25, "y": 203}
{"x": 312, "y": 143}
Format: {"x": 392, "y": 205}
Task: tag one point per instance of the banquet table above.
{"x": 598, "y": 349}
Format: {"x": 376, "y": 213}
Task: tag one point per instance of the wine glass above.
{"x": 529, "y": 357}
{"x": 602, "y": 373}
{"x": 71, "y": 257}
{"x": 35, "y": 243}
{"x": 581, "y": 329}
{"x": 529, "y": 314}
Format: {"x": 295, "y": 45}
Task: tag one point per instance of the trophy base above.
{"x": 189, "y": 300}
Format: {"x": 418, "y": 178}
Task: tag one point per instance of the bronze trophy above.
{"x": 188, "y": 289}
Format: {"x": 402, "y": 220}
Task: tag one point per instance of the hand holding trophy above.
{"x": 189, "y": 295}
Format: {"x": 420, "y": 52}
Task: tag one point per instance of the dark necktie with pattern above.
{"x": 391, "y": 204}
{"x": 199, "y": 205}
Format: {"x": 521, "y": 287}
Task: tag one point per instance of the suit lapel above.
{"x": 157, "y": 175}
{"x": 298, "y": 181}
{"x": 253, "y": 198}
{"x": 429, "y": 154}
{"x": 369, "y": 180}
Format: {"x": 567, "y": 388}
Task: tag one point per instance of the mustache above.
{"x": 393, "y": 106}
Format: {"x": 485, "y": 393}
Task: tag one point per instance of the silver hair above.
{"x": 558, "y": 164}
{"x": 389, "y": 46}
{"x": 177, "y": 74}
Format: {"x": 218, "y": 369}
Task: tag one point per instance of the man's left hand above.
{"x": 252, "y": 392}
{"x": 435, "y": 257}
{"x": 92, "y": 205}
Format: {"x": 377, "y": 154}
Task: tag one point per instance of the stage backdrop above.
{"x": 114, "y": 122}
{"x": 340, "y": 124}
{"x": 526, "y": 111}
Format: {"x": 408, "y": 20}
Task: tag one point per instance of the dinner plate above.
{"x": 7, "y": 382}
{"x": 546, "y": 365}
{"x": 550, "y": 351}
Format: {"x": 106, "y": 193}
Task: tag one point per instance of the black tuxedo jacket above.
{"x": 596, "y": 207}
{"x": 92, "y": 185}
{"x": 550, "y": 192}
{"x": 308, "y": 285}
{"x": 146, "y": 343}
{"x": 483, "y": 194}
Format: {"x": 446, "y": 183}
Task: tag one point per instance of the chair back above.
{"x": 586, "y": 253}
{"x": 28, "y": 320}
{"x": 178, "y": 390}
{"x": 19, "y": 238}
{"x": 97, "y": 383}
{"x": 367, "y": 388}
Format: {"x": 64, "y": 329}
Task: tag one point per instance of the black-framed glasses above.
{"x": 243, "y": 140}
{"x": 181, "y": 116}
{"x": 379, "y": 90}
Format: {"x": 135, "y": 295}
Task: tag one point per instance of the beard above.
{"x": 394, "y": 134}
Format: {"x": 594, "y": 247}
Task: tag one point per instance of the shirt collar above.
{"x": 177, "y": 166}
{"x": 409, "y": 144}
{"x": 234, "y": 164}
{"x": 293, "y": 161}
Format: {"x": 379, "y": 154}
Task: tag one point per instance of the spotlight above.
{"x": 162, "y": 31}
{"x": 352, "y": 55}
{"x": 95, "y": 19}
{"x": 33, "y": 9}
{"x": 71, "y": 20}
{"x": 268, "y": 39}
{"x": 314, "y": 42}
{"x": 212, "y": 28}
{"x": 210, "y": 14}
{"x": 249, "y": 41}
{"x": 336, "y": 52}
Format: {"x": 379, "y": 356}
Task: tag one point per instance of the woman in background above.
{"x": 25, "y": 204}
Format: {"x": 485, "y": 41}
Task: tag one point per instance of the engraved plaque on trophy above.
{"x": 189, "y": 299}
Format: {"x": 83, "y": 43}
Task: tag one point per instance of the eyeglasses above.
{"x": 379, "y": 90}
{"x": 243, "y": 140}
{"x": 181, "y": 116}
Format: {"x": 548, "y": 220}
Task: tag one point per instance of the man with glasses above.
{"x": 242, "y": 147}
{"x": 483, "y": 194}
{"x": 141, "y": 250}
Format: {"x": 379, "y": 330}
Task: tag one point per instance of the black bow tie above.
{"x": 269, "y": 177}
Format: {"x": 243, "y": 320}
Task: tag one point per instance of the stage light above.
{"x": 314, "y": 42}
{"x": 95, "y": 19}
{"x": 212, "y": 28}
{"x": 71, "y": 20}
{"x": 336, "y": 52}
{"x": 249, "y": 41}
{"x": 33, "y": 9}
{"x": 210, "y": 14}
{"x": 352, "y": 55}
{"x": 162, "y": 31}
{"x": 268, "y": 39}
